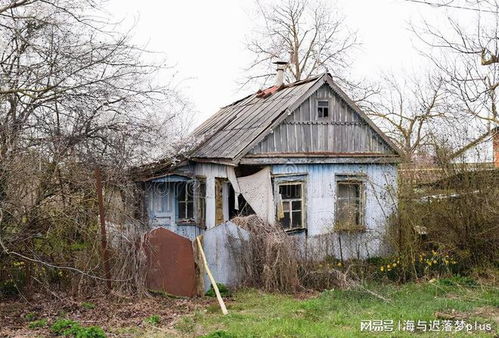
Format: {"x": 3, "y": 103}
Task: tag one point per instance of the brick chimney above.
{"x": 495, "y": 146}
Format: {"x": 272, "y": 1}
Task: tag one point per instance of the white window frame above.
{"x": 185, "y": 202}
{"x": 359, "y": 180}
{"x": 328, "y": 109}
{"x": 302, "y": 206}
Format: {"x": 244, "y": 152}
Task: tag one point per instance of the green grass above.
{"x": 339, "y": 313}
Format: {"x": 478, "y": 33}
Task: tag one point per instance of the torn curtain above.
{"x": 257, "y": 191}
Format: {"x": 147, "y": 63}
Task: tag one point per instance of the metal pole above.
{"x": 104, "y": 252}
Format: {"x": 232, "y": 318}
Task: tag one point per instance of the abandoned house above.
{"x": 301, "y": 154}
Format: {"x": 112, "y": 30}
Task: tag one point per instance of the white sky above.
{"x": 205, "y": 40}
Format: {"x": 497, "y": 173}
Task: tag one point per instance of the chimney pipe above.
{"x": 281, "y": 66}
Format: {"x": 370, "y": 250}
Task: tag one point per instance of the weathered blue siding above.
{"x": 320, "y": 203}
{"x": 381, "y": 202}
{"x": 161, "y": 206}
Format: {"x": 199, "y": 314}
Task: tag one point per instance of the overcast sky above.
{"x": 205, "y": 40}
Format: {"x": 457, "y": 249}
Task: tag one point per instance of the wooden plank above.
{"x": 212, "y": 279}
{"x": 320, "y": 160}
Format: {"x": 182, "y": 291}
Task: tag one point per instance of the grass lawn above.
{"x": 339, "y": 313}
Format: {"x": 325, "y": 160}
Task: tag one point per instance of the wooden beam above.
{"x": 319, "y": 160}
{"x": 212, "y": 280}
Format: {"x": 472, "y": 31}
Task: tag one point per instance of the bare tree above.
{"x": 308, "y": 34}
{"x": 469, "y": 57}
{"x": 411, "y": 111}
{"x": 74, "y": 95}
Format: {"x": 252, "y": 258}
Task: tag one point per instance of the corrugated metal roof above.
{"x": 234, "y": 127}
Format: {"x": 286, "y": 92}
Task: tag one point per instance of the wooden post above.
{"x": 104, "y": 252}
{"x": 213, "y": 282}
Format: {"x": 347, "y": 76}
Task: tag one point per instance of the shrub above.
{"x": 224, "y": 291}
{"x": 68, "y": 327}
{"x": 153, "y": 319}
{"x": 38, "y": 323}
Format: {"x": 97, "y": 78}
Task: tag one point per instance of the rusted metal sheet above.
{"x": 170, "y": 261}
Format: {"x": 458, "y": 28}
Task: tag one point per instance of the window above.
{"x": 185, "y": 201}
{"x": 292, "y": 205}
{"x": 350, "y": 205}
{"x": 322, "y": 109}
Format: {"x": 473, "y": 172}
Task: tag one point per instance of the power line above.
{"x": 448, "y": 5}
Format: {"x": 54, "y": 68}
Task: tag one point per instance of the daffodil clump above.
{"x": 424, "y": 264}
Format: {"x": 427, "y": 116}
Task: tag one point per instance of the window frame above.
{"x": 188, "y": 199}
{"x": 302, "y": 204}
{"x": 200, "y": 201}
{"x": 319, "y": 117}
{"x": 360, "y": 181}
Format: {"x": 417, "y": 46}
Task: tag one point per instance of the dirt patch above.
{"x": 487, "y": 312}
{"x": 113, "y": 313}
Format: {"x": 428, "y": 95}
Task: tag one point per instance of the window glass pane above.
{"x": 181, "y": 191}
{"x": 290, "y": 191}
{"x": 285, "y": 206}
{"x": 296, "y": 205}
{"x": 286, "y": 220}
{"x": 323, "y": 103}
{"x": 181, "y": 210}
{"x": 296, "y": 219}
{"x": 190, "y": 209}
{"x": 348, "y": 190}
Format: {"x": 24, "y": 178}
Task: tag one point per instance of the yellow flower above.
{"x": 394, "y": 264}
{"x": 382, "y": 268}
{"x": 339, "y": 264}
{"x": 434, "y": 262}
{"x": 388, "y": 266}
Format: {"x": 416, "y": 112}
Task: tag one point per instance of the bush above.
{"x": 224, "y": 291}
{"x": 153, "y": 320}
{"x": 448, "y": 226}
{"x": 38, "y": 323}
{"x": 68, "y": 327}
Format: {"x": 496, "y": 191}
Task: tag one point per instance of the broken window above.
{"x": 291, "y": 195}
{"x": 322, "y": 109}
{"x": 349, "y": 204}
{"x": 185, "y": 201}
